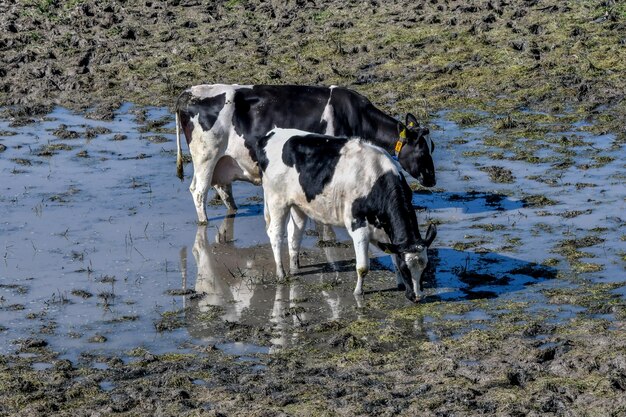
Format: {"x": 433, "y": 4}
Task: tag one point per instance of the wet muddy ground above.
{"x": 112, "y": 299}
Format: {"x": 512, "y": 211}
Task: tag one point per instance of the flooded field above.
{"x": 103, "y": 263}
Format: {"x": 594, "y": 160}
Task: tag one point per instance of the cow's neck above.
{"x": 403, "y": 230}
{"x": 385, "y": 130}
{"x": 395, "y": 210}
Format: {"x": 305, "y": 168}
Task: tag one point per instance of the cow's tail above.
{"x": 179, "y": 152}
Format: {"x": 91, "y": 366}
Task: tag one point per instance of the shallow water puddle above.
{"x": 101, "y": 252}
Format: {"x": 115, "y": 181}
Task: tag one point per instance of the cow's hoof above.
{"x": 281, "y": 276}
{"x": 294, "y": 267}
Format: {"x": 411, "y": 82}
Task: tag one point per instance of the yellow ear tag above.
{"x": 403, "y": 134}
{"x": 411, "y": 124}
{"x": 398, "y": 146}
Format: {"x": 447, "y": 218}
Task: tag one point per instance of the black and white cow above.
{"x": 342, "y": 182}
{"x": 223, "y": 122}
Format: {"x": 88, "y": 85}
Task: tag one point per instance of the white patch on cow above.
{"x": 327, "y": 116}
{"x": 417, "y": 264}
{"x": 212, "y": 90}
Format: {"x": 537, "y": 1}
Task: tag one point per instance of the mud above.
{"x": 502, "y": 57}
{"x": 113, "y": 300}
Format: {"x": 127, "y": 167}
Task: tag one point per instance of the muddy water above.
{"x": 101, "y": 252}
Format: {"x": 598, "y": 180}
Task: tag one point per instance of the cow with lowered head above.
{"x": 222, "y": 124}
{"x": 342, "y": 182}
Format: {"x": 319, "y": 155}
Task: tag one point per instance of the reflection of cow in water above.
{"x": 242, "y": 283}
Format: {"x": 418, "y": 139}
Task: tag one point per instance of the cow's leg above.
{"x": 399, "y": 280}
{"x": 295, "y": 231}
{"x": 266, "y": 213}
{"x": 204, "y": 158}
{"x": 226, "y": 171}
{"x": 226, "y": 194}
{"x": 275, "y": 216}
{"x": 361, "y": 240}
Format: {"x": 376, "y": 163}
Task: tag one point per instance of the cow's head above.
{"x": 412, "y": 262}
{"x": 414, "y": 149}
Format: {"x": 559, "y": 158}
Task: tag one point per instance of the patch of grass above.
{"x": 581, "y": 185}
{"x": 470, "y": 154}
{"x": 582, "y": 242}
{"x": 488, "y": 227}
{"x": 434, "y": 309}
{"x": 124, "y": 318}
{"x": 137, "y": 352}
{"x": 499, "y": 142}
{"x": 499, "y": 174}
{"x": 170, "y": 320}
{"x": 22, "y": 161}
{"x": 92, "y": 132}
{"x": 176, "y": 357}
{"x": 463, "y": 246}
{"x": 97, "y": 338}
{"x": 505, "y": 123}
{"x": 601, "y": 161}
{"x": 463, "y": 118}
{"x": 598, "y": 298}
{"x": 537, "y": 201}
{"x": 81, "y": 293}
{"x": 574, "y": 213}
{"x": 582, "y": 267}
{"x": 551, "y": 262}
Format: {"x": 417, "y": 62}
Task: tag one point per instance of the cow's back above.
{"x": 323, "y": 175}
{"x": 263, "y": 107}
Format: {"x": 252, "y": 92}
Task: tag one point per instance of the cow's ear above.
{"x": 431, "y": 233}
{"x": 387, "y": 247}
{"x": 401, "y": 131}
{"x": 411, "y": 121}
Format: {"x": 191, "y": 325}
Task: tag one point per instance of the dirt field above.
{"x": 114, "y": 301}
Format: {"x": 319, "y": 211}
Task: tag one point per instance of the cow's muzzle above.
{"x": 427, "y": 182}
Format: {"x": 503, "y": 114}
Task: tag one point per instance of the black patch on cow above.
{"x": 261, "y": 155}
{"x": 389, "y": 206}
{"x": 315, "y": 158}
{"x": 207, "y": 109}
{"x": 355, "y": 115}
{"x": 261, "y": 108}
